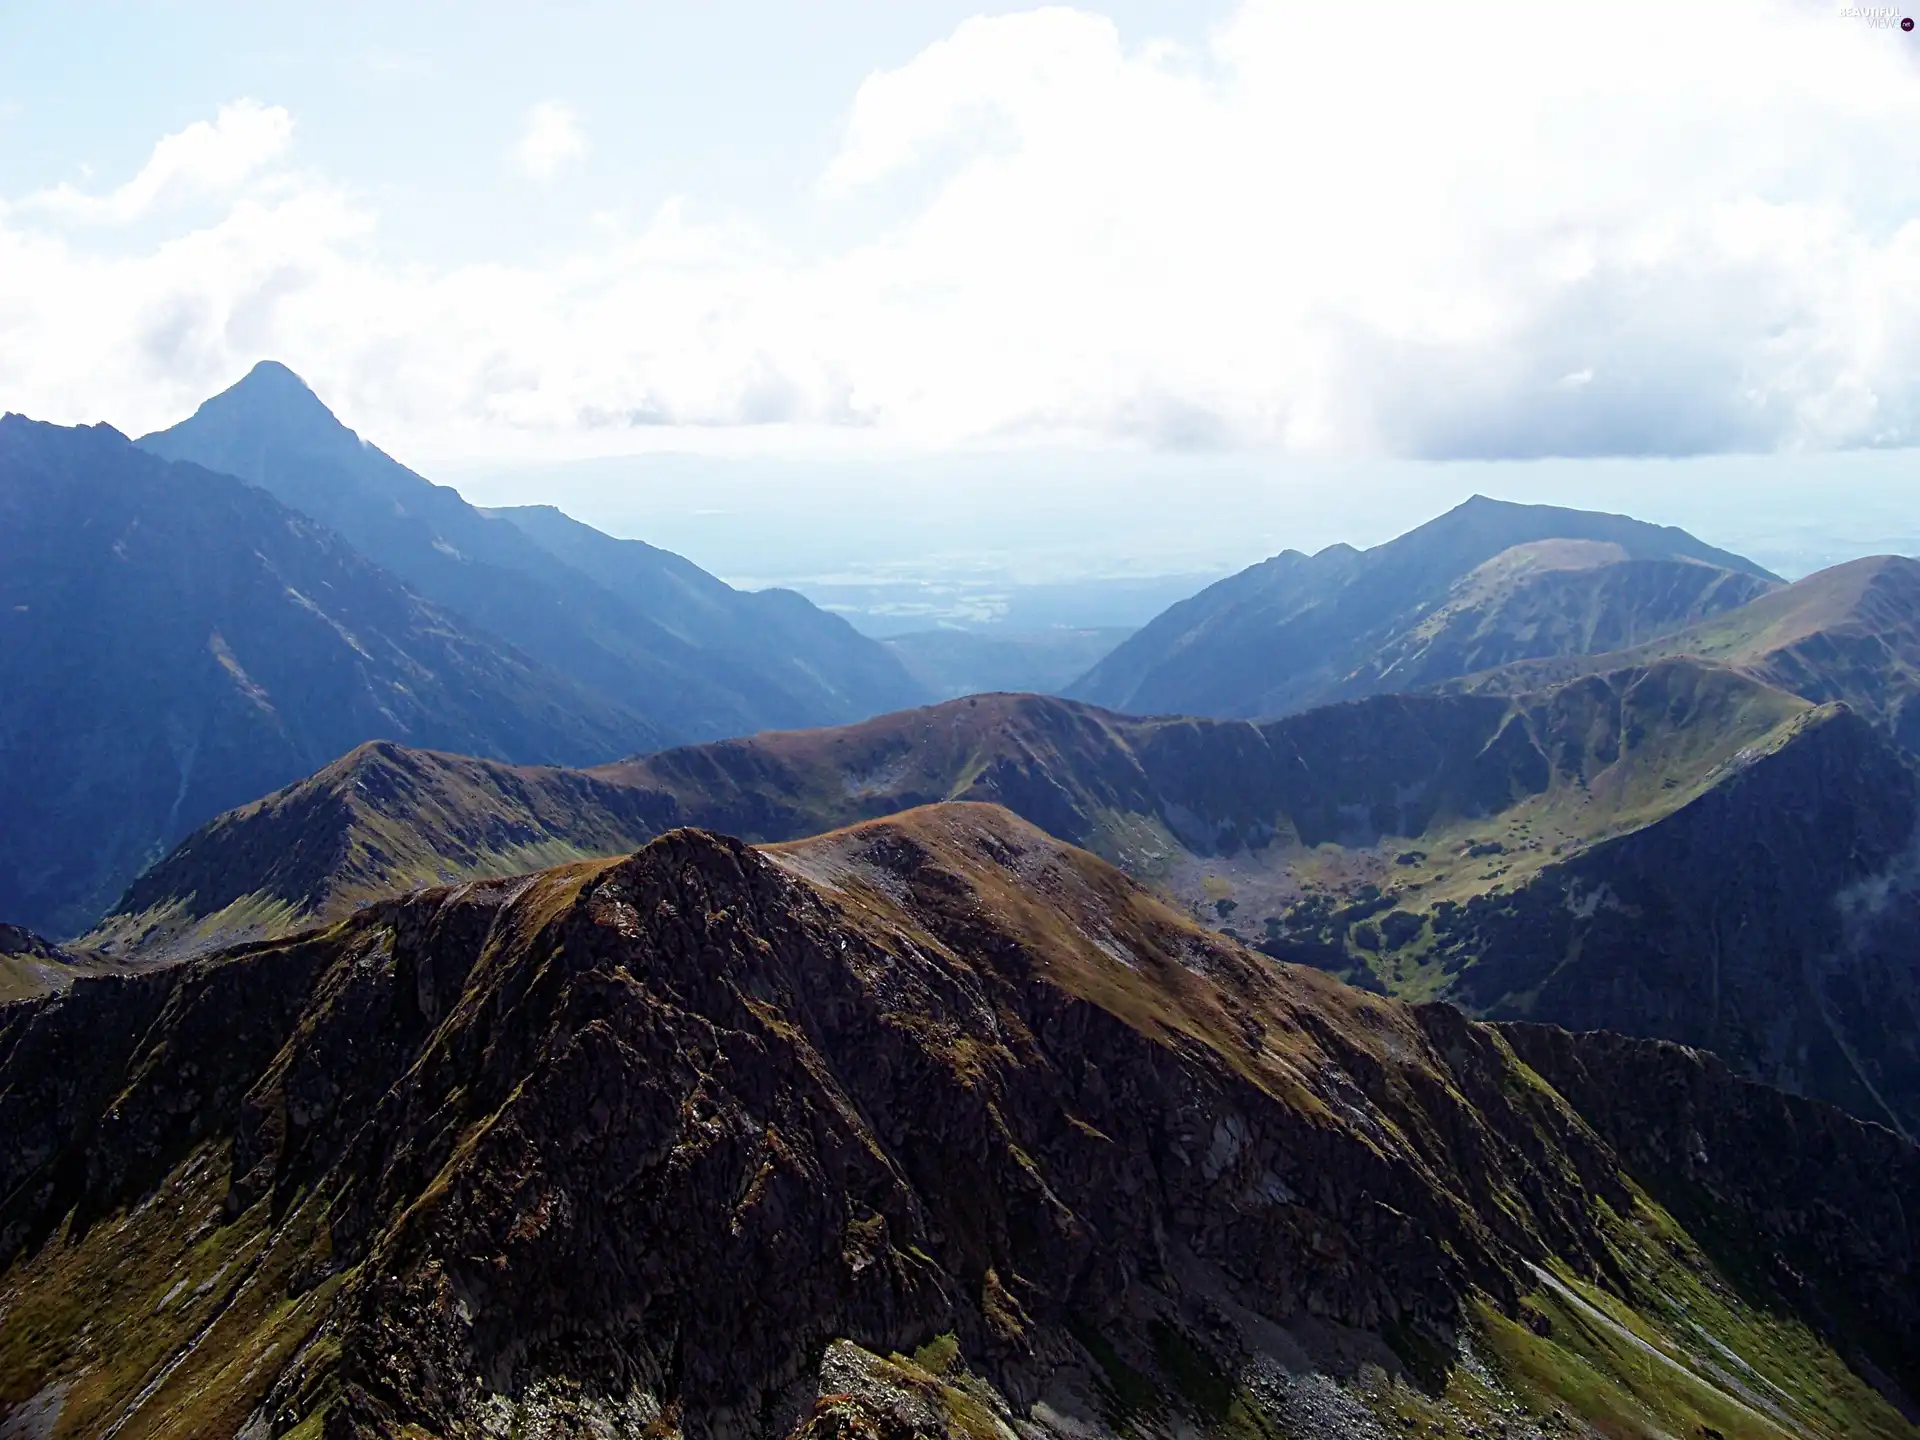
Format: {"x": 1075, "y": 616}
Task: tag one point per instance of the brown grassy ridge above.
{"x": 386, "y": 818}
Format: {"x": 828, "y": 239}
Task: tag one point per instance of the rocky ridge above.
{"x": 1030, "y": 1153}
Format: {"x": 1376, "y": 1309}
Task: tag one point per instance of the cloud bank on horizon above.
{"x": 1433, "y": 232}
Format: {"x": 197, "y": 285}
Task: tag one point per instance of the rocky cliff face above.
{"x": 935, "y": 1126}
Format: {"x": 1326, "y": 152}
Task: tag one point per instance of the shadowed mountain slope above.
{"x": 174, "y": 642}
{"x": 646, "y": 630}
{"x": 1016, "y": 1144}
{"x": 1674, "y": 851}
{"x": 1485, "y": 584}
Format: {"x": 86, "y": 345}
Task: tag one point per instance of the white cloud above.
{"x": 1424, "y": 230}
{"x": 205, "y": 160}
{"x": 550, "y": 140}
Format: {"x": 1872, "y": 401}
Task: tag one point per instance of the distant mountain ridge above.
{"x": 174, "y": 641}
{"x": 647, "y": 631}
{"x": 1487, "y": 583}
{"x": 199, "y": 619}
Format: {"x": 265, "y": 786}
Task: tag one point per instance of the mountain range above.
{"x": 931, "y": 1128}
{"x": 1851, "y": 633}
{"x": 1489, "y": 1009}
{"x": 1674, "y": 850}
{"x": 175, "y": 640}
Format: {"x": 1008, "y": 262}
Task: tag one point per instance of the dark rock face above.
{"x": 653, "y": 1133}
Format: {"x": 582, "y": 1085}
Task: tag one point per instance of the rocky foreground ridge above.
{"x": 931, "y": 1127}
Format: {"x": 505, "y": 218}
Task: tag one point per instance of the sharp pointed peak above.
{"x": 270, "y": 378}
{"x": 265, "y": 370}
{"x": 270, "y": 397}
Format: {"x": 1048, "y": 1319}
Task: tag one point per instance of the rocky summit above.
{"x": 935, "y": 1126}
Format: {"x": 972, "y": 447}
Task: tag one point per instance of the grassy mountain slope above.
{"x": 1850, "y": 633}
{"x": 1676, "y": 851}
{"x": 642, "y": 640}
{"x": 1016, "y": 1142}
{"x": 1486, "y": 583}
{"x": 380, "y": 819}
{"x": 174, "y": 642}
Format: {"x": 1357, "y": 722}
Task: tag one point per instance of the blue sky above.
{"x": 418, "y": 106}
{"x": 946, "y": 245}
